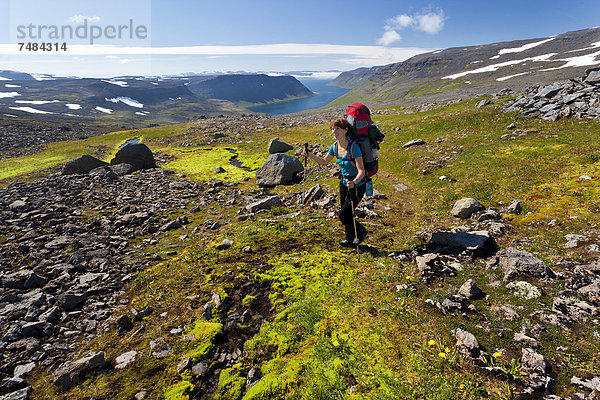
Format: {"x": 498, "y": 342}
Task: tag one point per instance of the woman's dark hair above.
{"x": 340, "y": 123}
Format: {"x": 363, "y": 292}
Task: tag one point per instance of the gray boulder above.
{"x": 104, "y": 172}
{"x": 593, "y": 77}
{"x": 82, "y": 165}
{"x": 467, "y": 343}
{"x": 514, "y": 207}
{"x": 264, "y": 204}
{"x": 312, "y": 194}
{"x": 533, "y": 362}
{"x": 278, "y": 169}
{"x": 516, "y": 264}
{"x": 122, "y": 169}
{"x": 474, "y": 241}
{"x": 470, "y": 290}
{"x": 463, "y": 208}
{"x": 591, "y": 293}
{"x": 549, "y": 91}
{"x": 277, "y": 145}
{"x": 414, "y": 142}
{"x": 72, "y": 374}
{"x": 21, "y": 394}
{"x": 71, "y": 301}
{"x": 125, "y": 359}
{"x": 138, "y": 155}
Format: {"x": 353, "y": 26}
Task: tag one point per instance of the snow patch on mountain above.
{"x": 524, "y": 47}
{"x": 127, "y": 100}
{"x": 104, "y": 110}
{"x": 9, "y": 94}
{"x": 495, "y": 67}
{"x": 30, "y": 110}
{"x": 118, "y": 83}
{"x": 73, "y": 106}
{"x": 36, "y": 102}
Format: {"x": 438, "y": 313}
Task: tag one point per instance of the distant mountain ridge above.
{"x": 238, "y": 88}
{"x": 474, "y": 70}
{"x": 140, "y": 100}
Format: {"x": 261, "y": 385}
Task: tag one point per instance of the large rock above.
{"x": 475, "y": 241}
{"x": 21, "y": 394}
{"x": 463, "y": 208}
{"x": 534, "y": 363}
{"x": 591, "y": 293}
{"x": 516, "y": 264}
{"x": 412, "y": 143}
{"x": 264, "y": 204}
{"x": 82, "y": 165}
{"x": 593, "y": 77}
{"x": 72, "y": 374}
{"x": 467, "y": 343}
{"x": 279, "y": 169}
{"x": 277, "y": 145}
{"x": 138, "y": 155}
{"x": 71, "y": 301}
{"x": 470, "y": 290}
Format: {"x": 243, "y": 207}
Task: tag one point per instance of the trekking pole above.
{"x": 304, "y": 179}
{"x": 354, "y": 222}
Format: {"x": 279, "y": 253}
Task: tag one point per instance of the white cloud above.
{"x": 282, "y": 49}
{"x": 431, "y": 22}
{"x": 80, "y": 19}
{"x": 389, "y": 37}
{"x": 403, "y": 20}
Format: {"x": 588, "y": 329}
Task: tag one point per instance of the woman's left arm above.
{"x": 360, "y": 166}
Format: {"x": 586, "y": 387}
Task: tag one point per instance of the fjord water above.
{"x": 325, "y": 95}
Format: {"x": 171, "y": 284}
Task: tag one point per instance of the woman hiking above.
{"x": 352, "y": 182}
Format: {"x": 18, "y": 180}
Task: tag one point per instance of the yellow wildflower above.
{"x": 447, "y": 350}
{"x": 336, "y": 343}
{"x": 442, "y": 355}
{"x": 496, "y": 355}
{"x": 431, "y": 342}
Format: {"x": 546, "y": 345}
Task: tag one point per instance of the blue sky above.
{"x": 259, "y": 35}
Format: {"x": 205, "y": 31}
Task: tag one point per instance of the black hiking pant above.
{"x": 355, "y": 194}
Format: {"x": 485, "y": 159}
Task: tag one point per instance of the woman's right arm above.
{"x": 320, "y": 160}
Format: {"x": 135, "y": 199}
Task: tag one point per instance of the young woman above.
{"x": 352, "y": 182}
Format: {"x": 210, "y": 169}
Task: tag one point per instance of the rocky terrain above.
{"x": 577, "y": 98}
{"x": 19, "y": 137}
{"x": 67, "y": 254}
{"x": 473, "y": 277}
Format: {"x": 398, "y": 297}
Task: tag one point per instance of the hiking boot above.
{"x": 346, "y": 243}
{"x": 361, "y": 236}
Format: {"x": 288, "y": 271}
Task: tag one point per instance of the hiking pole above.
{"x": 304, "y": 179}
{"x": 354, "y": 221}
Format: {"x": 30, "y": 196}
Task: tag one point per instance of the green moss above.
{"x": 201, "y": 163}
{"x": 249, "y": 301}
{"x": 179, "y": 391}
{"x": 205, "y": 333}
{"x": 231, "y": 385}
{"x": 204, "y": 330}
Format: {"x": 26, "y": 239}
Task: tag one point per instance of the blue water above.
{"x": 325, "y": 95}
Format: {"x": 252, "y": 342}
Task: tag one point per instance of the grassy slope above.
{"x": 340, "y": 323}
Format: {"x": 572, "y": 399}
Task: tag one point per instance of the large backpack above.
{"x": 366, "y": 135}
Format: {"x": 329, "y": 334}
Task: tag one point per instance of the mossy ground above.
{"x": 339, "y": 328}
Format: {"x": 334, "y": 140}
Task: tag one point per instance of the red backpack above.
{"x": 365, "y": 134}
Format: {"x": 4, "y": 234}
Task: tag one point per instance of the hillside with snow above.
{"x": 471, "y": 71}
